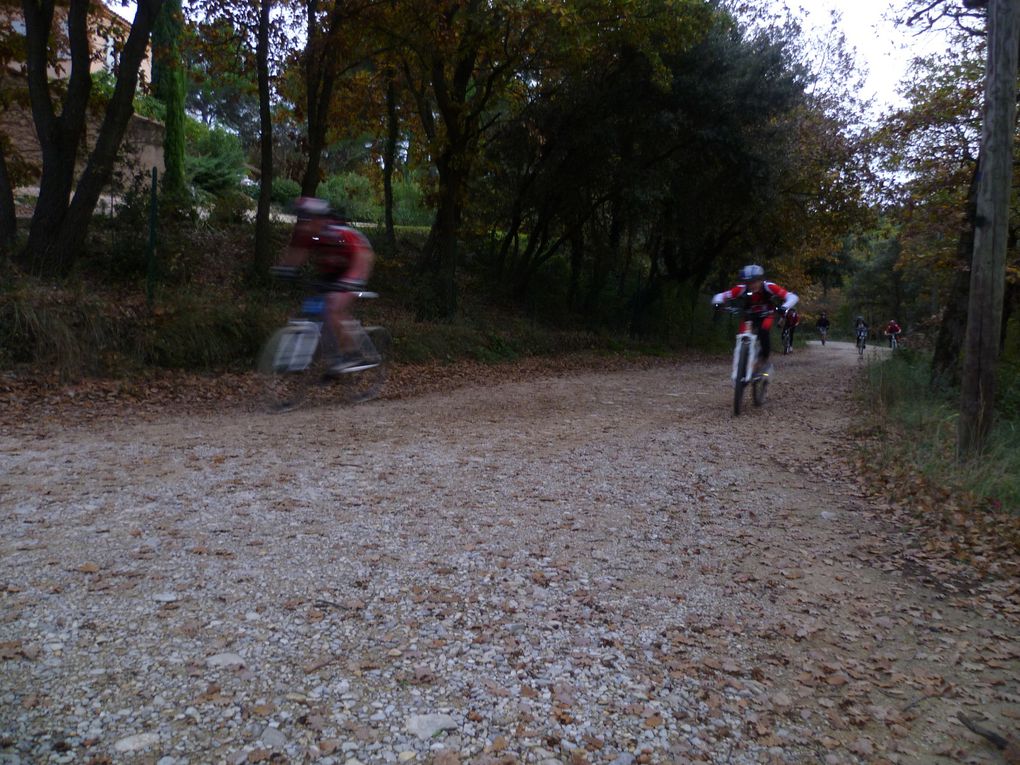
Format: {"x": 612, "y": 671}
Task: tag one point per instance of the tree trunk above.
{"x": 320, "y": 83}
{"x": 67, "y": 241}
{"x": 988, "y": 271}
{"x": 59, "y": 136}
{"x": 263, "y": 243}
{"x": 945, "y": 362}
{"x": 389, "y": 161}
{"x": 8, "y": 217}
{"x": 576, "y": 264}
{"x": 439, "y": 256}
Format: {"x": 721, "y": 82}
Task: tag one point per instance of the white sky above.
{"x": 884, "y": 50}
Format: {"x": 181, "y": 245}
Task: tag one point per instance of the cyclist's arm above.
{"x": 730, "y": 294}
{"x": 789, "y": 298}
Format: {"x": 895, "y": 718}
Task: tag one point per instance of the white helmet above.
{"x": 309, "y": 206}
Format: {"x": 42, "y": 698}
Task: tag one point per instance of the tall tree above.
{"x": 12, "y": 49}
{"x": 60, "y": 221}
{"x": 332, "y": 49}
{"x": 263, "y": 243}
{"x": 168, "y": 78}
{"x": 8, "y": 216}
{"x": 258, "y": 39}
{"x": 457, "y": 58}
{"x": 984, "y": 314}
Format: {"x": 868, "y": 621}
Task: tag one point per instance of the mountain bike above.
{"x": 823, "y": 332}
{"x": 787, "y": 340}
{"x": 862, "y": 341}
{"x": 295, "y": 363}
{"x": 894, "y": 340}
{"x": 745, "y": 356}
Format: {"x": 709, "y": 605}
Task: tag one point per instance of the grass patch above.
{"x": 918, "y": 427}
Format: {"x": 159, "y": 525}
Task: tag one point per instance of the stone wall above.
{"x": 141, "y": 150}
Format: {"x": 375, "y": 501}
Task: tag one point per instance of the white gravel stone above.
{"x": 427, "y": 726}
{"x": 136, "y": 742}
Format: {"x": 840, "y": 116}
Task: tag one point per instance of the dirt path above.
{"x": 594, "y": 568}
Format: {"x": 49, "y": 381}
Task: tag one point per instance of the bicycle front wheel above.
{"x": 285, "y": 368}
{"x": 365, "y": 384}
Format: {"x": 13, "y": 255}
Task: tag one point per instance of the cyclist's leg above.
{"x": 764, "y": 342}
{"x": 338, "y": 311}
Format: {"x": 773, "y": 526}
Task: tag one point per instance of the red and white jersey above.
{"x": 760, "y": 301}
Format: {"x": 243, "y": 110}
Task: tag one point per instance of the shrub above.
{"x": 204, "y": 330}
{"x": 353, "y": 194}
{"x": 285, "y": 191}
{"x": 216, "y": 161}
{"x": 918, "y": 426}
{"x": 409, "y": 207}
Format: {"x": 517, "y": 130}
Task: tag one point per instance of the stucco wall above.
{"x": 141, "y": 150}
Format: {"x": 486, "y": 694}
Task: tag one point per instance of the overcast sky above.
{"x": 882, "y": 48}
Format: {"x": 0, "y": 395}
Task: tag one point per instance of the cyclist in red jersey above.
{"x": 760, "y": 296}
{"x": 342, "y": 258}
{"x": 892, "y": 329}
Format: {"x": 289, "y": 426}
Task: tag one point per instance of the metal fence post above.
{"x": 150, "y": 272}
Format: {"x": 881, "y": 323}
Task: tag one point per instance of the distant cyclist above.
{"x": 861, "y": 333}
{"x": 822, "y": 325}
{"x": 759, "y": 296}
{"x": 791, "y": 319}
{"x": 892, "y": 331}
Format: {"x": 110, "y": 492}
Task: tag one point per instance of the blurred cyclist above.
{"x": 342, "y": 258}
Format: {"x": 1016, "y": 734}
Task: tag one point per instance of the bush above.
{"x": 285, "y": 191}
{"x": 409, "y": 207}
{"x": 353, "y": 194}
{"x": 216, "y": 161}
{"x": 71, "y": 332}
{"x": 918, "y": 426}
{"x": 205, "y": 330}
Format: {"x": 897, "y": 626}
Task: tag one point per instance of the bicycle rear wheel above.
{"x": 286, "y": 378}
{"x": 739, "y": 384}
{"x": 365, "y": 384}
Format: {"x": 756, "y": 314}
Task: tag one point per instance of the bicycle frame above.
{"x": 304, "y": 335}
{"x": 746, "y": 335}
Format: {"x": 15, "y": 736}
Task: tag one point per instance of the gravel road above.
{"x": 590, "y": 568}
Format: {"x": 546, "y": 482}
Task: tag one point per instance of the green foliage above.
{"x": 355, "y": 195}
{"x": 169, "y": 81}
{"x": 409, "y": 207}
{"x": 68, "y": 332}
{"x": 284, "y": 191}
{"x": 919, "y": 427}
{"x": 103, "y": 83}
{"x": 78, "y": 331}
{"x": 216, "y": 161}
{"x": 203, "y": 330}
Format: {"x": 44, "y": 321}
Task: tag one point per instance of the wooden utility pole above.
{"x": 988, "y": 270}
